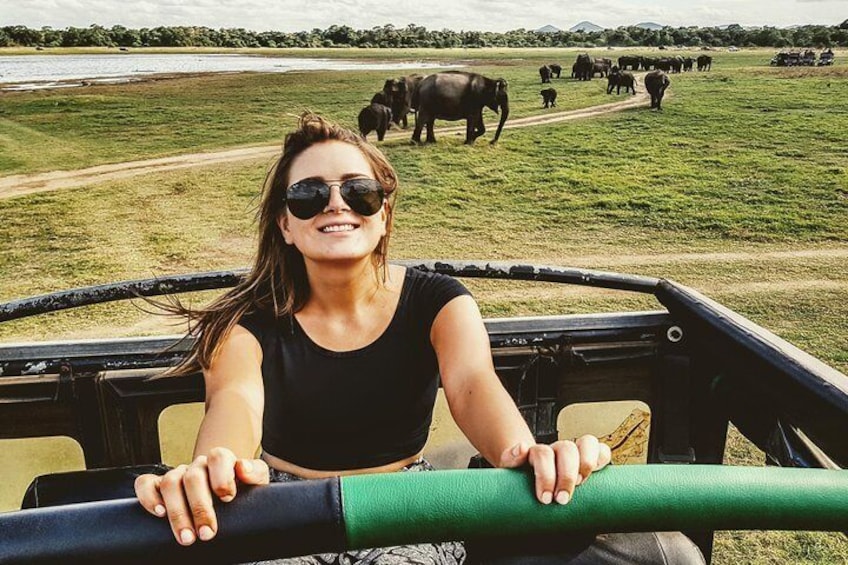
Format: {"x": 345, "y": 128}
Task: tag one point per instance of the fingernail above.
{"x": 547, "y": 497}
{"x": 187, "y": 537}
{"x": 247, "y": 466}
{"x": 579, "y": 480}
{"x": 516, "y": 449}
{"x": 205, "y": 533}
{"x": 562, "y": 497}
{"x": 227, "y": 498}
{"x": 159, "y": 510}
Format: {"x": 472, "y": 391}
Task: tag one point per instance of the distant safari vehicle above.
{"x": 826, "y": 58}
{"x": 786, "y": 59}
{"x": 694, "y": 365}
{"x": 794, "y": 59}
{"x": 808, "y": 59}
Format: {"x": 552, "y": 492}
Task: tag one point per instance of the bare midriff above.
{"x": 306, "y": 473}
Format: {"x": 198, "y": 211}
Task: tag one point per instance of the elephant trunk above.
{"x": 504, "y": 107}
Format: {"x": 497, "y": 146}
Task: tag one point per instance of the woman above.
{"x": 326, "y": 358}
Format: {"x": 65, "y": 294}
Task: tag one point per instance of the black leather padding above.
{"x": 264, "y": 522}
{"x": 86, "y": 486}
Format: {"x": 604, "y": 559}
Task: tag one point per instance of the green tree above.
{"x": 23, "y": 36}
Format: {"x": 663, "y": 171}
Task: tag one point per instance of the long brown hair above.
{"x": 277, "y": 281}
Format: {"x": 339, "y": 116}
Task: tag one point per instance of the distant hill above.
{"x": 749, "y": 28}
{"x": 548, "y": 29}
{"x": 649, "y": 25}
{"x": 586, "y": 26}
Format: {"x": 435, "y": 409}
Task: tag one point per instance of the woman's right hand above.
{"x": 185, "y": 493}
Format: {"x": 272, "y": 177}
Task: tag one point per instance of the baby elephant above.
{"x": 549, "y": 97}
{"x": 374, "y": 117}
{"x": 617, "y": 79}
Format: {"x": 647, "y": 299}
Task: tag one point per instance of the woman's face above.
{"x": 337, "y": 233}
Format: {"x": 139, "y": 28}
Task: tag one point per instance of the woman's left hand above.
{"x": 560, "y": 466}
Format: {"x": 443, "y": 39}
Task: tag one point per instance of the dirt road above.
{"x": 20, "y": 185}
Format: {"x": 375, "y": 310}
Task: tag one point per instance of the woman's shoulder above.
{"x": 427, "y": 292}
{"x": 260, "y": 322}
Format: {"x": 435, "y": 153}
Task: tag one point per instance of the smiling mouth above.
{"x": 338, "y": 228}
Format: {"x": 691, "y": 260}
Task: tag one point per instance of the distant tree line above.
{"x": 417, "y": 36}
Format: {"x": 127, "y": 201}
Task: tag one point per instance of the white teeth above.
{"x": 341, "y": 227}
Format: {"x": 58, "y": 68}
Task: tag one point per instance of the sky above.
{"x": 457, "y": 15}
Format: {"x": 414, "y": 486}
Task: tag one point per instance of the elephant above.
{"x": 555, "y": 69}
{"x": 613, "y": 79}
{"x": 617, "y": 79}
{"x": 545, "y": 73}
{"x": 380, "y": 97}
{"x": 663, "y": 64}
{"x": 601, "y": 65}
{"x": 583, "y": 67}
{"x": 705, "y": 62}
{"x": 549, "y": 97}
{"x": 655, "y": 83}
{"x": 648, "y": 62}
{"x": 676, "y": 64}
{"x": 627, "y": 61}
{"x": 400, "y": 92}
{"x": 600, "y": 68}
{"x": 687, "y": 64}
{"x": 374, "y": 117}
{"x": 459, "y": 95}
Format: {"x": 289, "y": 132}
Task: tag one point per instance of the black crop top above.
{"x": 331, "y": 410}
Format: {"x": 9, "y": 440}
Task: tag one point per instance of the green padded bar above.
{"x": 403, "y": 508}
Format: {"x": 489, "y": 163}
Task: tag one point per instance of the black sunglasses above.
{"x": 307, "y": 198}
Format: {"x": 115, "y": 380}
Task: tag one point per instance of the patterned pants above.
{"x": 445, "y": 553}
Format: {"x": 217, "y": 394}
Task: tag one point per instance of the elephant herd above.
{"x": 668, "y": 64}
{"x": 461, "y": 95}
{"x": 618, "y": 77}
{"x": 583, "y": 69}
{"x": 448, "y": 95}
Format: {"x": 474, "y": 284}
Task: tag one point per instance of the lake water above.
{"x": 31, "y": 72}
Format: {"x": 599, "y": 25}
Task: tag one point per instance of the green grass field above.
{"x": 738, "y": 188}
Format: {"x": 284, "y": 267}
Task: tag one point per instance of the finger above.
{"x": 515, "y": 456}
{"x": 568, "y": 470}
{"x": 179, "y": 516}
{"x": 222, "y": 476}
{"x": 541, "y": 457}
{"x": 589, "y": 448}
{"x": 604, "y": 456}
{"x": 253, "y": 471}
{"x": 147, "y": 490}
{"x": 198, "y": 494}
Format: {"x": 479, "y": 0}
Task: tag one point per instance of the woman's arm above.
{"x": 226, "y": 445}
{"x": 479, "y": 404}
{"x": 234, "y": 397}
{"x": 486, "y": 414}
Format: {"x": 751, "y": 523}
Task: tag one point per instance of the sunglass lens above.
{"x": 364, "y": 196}
{"x": 306, "y": 199}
